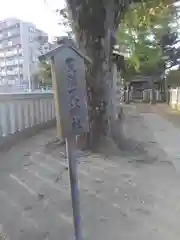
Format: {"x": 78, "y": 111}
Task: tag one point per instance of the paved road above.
{"x": 130, "y": 196}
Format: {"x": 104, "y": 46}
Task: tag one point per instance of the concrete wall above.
{"x": 174, "y": 98}
{"x": 23, "y": 114}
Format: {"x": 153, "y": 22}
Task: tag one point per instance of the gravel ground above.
{"x": 124, "y": 194}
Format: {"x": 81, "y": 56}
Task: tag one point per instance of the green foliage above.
{"x": 173, "y": 78}
{"x": 148, "y": 14}
{"x": 44, "y": 74}
{"x": 170, "y": 50}
{"x": 140, "y": 32}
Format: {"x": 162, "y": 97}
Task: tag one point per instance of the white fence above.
{"x": 174, "y": 98}
{"x": 21, "y": 111}
{"x": 144, "y": 96}
{"x": 147, "y": 95}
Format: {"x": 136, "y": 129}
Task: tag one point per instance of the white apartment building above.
{"x": 20, "y": 45}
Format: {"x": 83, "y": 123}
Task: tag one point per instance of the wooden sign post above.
{"x": 68, "y": 76}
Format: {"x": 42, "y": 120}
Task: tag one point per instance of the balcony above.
{"x": 2, "y": 64}
{"x": 11, "y": 81}
{"x": 4, "y": 26}
{"x": 2, "y": 73}
{"x": 11, "y": 53}
{"x": 12, "y": 62}
{"x": 14, "y": 72}
{"x": 9, "y": 63}
{"x": 9, "y": 35}
{"x": 1, "y": 54}
{"x": 9, "y": 45}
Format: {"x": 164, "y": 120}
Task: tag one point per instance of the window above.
{"x": 5, "y": 35}
{"x": 9, "y": 34}
{"x": 11, "y": 82}
{"x": 3, "y": 24}
{"x": 9, "y": 23}
{"x": 2, "y": 63}
{"x": 33, "y": 58}
{"x": 31, "y": 29}
{"x": 30, "y": 39}
{"x": 1, "y": 81}
{"x": 9, "y": 43}
{"x": 21, "y": 60}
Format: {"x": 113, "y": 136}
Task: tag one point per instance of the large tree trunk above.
{"x": 166, "y": 91}
{"x": 93, "y": 23}
{"x": 92, "y": 33}
{"x": 153, "y": 93}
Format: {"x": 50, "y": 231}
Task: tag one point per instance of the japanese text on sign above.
{"x": 73, "y": 96}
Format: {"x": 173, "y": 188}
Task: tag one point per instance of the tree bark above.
{"x": 166, "y": 91}
{"x": 93, "y": 23}
{"x": 153, "y": 96}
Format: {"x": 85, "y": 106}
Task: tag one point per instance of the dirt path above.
{"x": 163, "y": 110}
{"x": 131, "y": 196}
{"x": 164, "y": 123}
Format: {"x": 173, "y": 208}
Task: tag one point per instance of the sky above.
{"x": 39, "y": 12}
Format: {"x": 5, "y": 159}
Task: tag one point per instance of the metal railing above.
{"x": 21, "y": 111}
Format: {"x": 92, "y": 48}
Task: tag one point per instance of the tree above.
{"x": 143, "y": 28}
{"x": 95, "y": 23}
{"x": 43, "y": 74}
{"x": 173, "y": 78}
{"x": 64, "y": 20}
{"x": 142, "y": 32}
{"x": 171, "y": 52}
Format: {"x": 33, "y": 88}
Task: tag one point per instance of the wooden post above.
{"x": 74, "y": 187}
{"x": 54, "y": 85}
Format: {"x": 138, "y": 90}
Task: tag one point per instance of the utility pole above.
{"x": 29, "y": 69}
{"x": 19, "y": 76}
